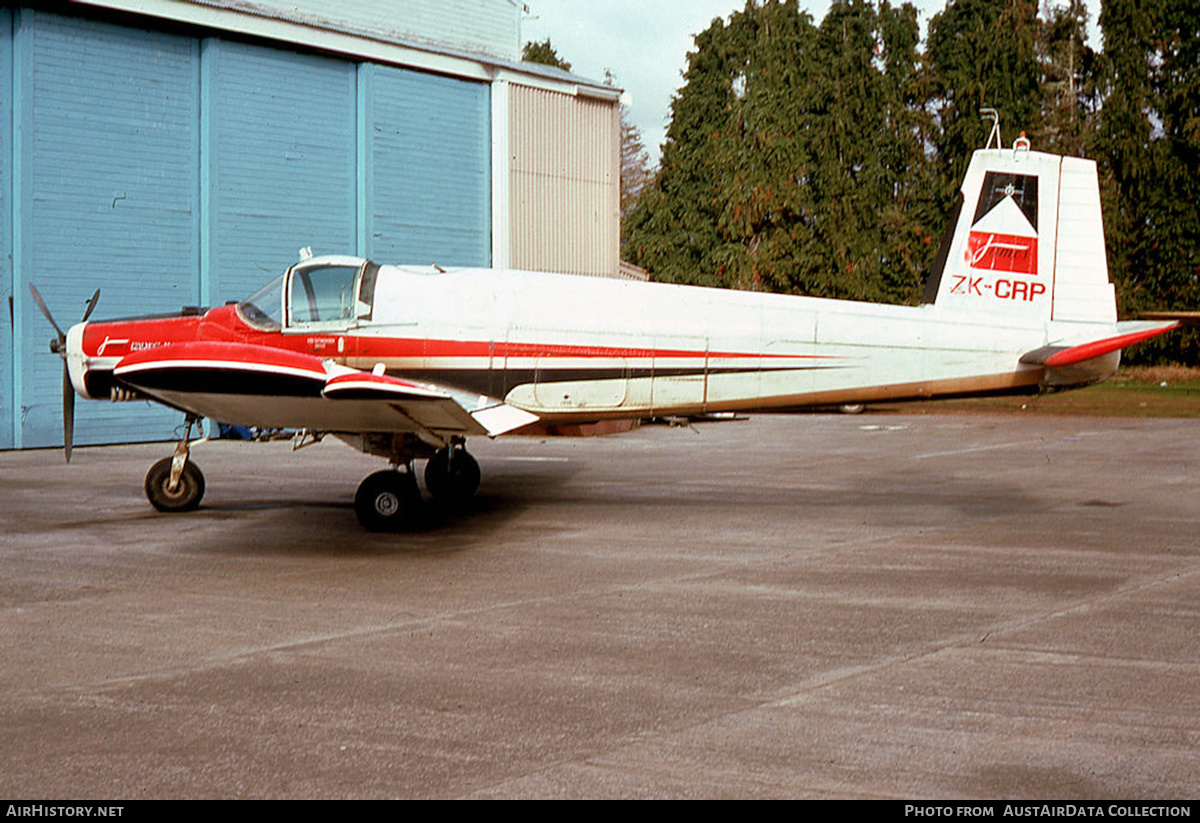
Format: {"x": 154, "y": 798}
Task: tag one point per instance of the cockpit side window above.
{"x": 366, "y": 291}
{"x": 323, "y": 294}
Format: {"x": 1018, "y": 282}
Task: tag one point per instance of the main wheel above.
{"x": 387, "y": 501}
{"x": 184, "y": 497}
{"x": 452, "y": 476}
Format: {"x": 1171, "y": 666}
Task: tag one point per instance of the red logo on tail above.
{"x": 1002, "y": 252}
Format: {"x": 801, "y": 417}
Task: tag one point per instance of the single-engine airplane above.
{"x": 407, "y": 362}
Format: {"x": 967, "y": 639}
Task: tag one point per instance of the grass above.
{"x": 1136, "y": 391}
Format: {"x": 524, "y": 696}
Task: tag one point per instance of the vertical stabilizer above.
{"x": 1082, "y": 291}
{"x": 1027, "y": 242}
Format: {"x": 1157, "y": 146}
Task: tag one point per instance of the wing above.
{"x": 274, "y": 388}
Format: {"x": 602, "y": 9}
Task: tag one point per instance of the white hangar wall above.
{"x": 174, "y": 165}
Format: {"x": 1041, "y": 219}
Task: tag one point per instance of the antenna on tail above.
{"x": 994, "y": 116}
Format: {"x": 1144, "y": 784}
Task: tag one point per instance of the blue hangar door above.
{"x": 105, "y": 145}
{"x": 281, "y": 149}
{"x": 426, "y": 147}
{"x": 172, "y": 171}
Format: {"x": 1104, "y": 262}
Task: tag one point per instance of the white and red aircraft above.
{"x": 406, "y": 362}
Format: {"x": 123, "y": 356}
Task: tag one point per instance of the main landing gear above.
{"x": 389, "y": 500}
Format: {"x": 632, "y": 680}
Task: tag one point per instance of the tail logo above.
{"x": 1004, "y": 234}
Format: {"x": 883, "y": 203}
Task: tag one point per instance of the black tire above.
{"x": 187, "y": 494}
{"x": 387, "y": 501}
{"x": 452, "y": 478}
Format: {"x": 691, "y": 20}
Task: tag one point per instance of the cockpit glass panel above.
{"x": 366, "y": 291}
{"x": 323, "y": 294}
{"x": 263, "y": 308}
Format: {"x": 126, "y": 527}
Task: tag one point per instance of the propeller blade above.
{"x": 41, "y": 304}
{"x": 68, "y": 392}
{"x": 90, "y": 306}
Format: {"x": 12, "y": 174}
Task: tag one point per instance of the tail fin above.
{"x": 1027, "y": 241}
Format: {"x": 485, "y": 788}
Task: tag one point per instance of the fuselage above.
{"x": 574, "y": 349}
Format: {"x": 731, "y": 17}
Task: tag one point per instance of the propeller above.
{"x": 59, "y": 346}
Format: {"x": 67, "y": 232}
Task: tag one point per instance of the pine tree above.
{"x": 673, "y": 231}
{"x": 635, "y": 170}
{"x": 825, "y": 160}
{"x": 787, "y": 145}
{"x": 545, "y": 54}
{"x": 981, "y": 53}
{"x": 1068, "y": 90}
{"x": 1148, "y": 143}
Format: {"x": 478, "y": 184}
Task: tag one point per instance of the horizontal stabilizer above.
{"x": 1057, "y": 356}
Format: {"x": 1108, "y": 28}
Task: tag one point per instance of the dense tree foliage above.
{"x": 545, "y": 54}
{"x": 1147, "y": 140}
{"x": 823, "y": 158}
{"x": 791, "y": 157}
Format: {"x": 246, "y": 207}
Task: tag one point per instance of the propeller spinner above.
{"x": 59, "y": 346}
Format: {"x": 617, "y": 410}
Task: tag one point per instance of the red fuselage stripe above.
{"x": 223, "y": 325}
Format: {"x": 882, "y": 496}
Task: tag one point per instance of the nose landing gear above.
{"x": 173, "y": 484}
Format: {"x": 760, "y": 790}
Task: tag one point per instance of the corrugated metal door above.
{"x": 280, "y": 128}
{"x": 106, "y": 146}
{"x": 428, "y": 168}
{"x": 563, "y": 185}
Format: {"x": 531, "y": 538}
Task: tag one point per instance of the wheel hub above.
{"x": 387, "y": 504}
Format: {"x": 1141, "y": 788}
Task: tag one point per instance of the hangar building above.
{"x": 180, "y": 152}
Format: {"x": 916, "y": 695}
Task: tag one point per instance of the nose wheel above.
{"x": 183, "y": 496}
{"x": 174, "y": 484}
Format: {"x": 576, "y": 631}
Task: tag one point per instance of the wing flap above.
{"x": 501, "y": 418}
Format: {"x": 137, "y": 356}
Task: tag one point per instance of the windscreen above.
{"x": 264, "y": 308}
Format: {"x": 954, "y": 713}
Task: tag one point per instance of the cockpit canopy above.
{"x": 322, "y": 292}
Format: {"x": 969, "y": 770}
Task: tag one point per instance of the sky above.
{"x": 645, "y": 43}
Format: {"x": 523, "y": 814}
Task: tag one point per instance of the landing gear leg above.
{"x": 173, "y": 484}
{"x": 452, "y": 475}
{"x": 388, "y": 500}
